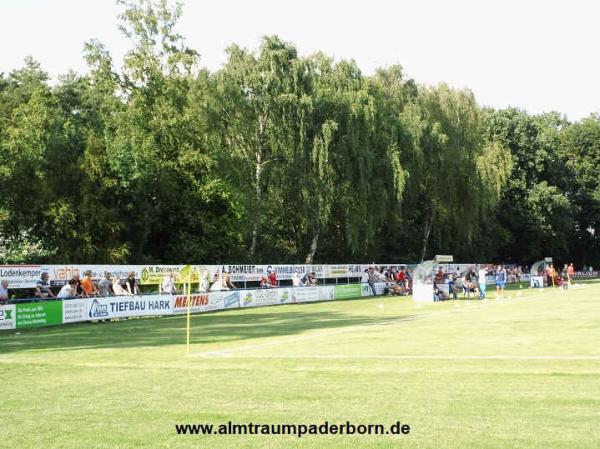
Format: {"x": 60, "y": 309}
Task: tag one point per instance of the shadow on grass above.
{"x": 223, "y": 326}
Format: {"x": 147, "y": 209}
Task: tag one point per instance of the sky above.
{"x": 536, "y": 55}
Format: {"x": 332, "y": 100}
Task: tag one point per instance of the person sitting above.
{"x": 398, "y": 289}
{"x": 88, "y": 286}
{"x": 69, "y": 290}
{"x": 42, "y": 288}
{"x": 104, "y": 286}
{"x": 3, "y": 291}
{"x": 118, "y": 289}
{"x": 131, "y": 284}
{"x": 227, "y": 283}
{"x": 264, "y": 282}
{"x": 296, "y": 278}
{"x": 168, "y": 284}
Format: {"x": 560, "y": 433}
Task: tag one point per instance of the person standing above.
{"x": 3, "y": 291}
{"x": 131, "y": 284}
{"x": 168, "y": 284}
{"x": 104, "y": 285}
{"x": 482, "y": 284}
{"x": 500, "y": 280}
{"x": 565, "y": 277}
{"x": 571, "y": 273}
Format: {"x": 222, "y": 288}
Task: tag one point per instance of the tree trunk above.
{"x": 313, "y": 248}
{"x": 258, "y": 199}
{"x": 428, "y": 224}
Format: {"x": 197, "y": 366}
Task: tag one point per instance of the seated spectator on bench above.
{"x": 88, "y": 285}
{"x": 118, "y": 289}
{"x": 104, "y": 286}
{"x": 69, "y": 290}
{"x": 309, "y": 279}
{"x": 168, "y": 284}
{"x": 42, "y": 289}
{"x": 264, "y": 282}
{"x": 131, "y": 284}
{"x": 227, "y": 283}
{"x": 3, "y": 291}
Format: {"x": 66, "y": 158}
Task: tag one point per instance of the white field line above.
{"x": 420, "y": 357}
{"x": 231, "y": 351}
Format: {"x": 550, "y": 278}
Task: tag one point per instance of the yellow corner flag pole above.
{"x": 189, "y": 290}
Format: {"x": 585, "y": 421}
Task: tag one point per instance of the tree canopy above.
{"x": 278, "y": 157}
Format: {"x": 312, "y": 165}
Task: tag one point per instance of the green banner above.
{"x": 347, "y": 291}
{"x": 39, "y": 314}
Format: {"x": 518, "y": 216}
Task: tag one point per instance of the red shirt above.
{"x": 401, "y": 276}
{"x": 273, "y": 279}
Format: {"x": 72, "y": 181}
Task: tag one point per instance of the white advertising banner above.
{"x": 8, "y": 317}
{"x": 76, "y": 310}
{"x": 206, "y": 302}
{"x": 60, "y": 274}
{"x": 21, "y": 276}
{"x": 326, "y": 292}
{"x": 305, "y": 294}
{"x": 260, "y": 297}
{"x": 128, "y": 306}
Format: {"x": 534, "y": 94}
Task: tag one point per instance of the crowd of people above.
{"x": 390, "y": 280}
{"x": 397, "y": 280}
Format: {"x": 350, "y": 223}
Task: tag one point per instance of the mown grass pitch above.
{"x": 518, "y": 372}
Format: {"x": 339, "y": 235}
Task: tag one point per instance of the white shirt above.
{"x": 168, "y": 285}
{"x": 65, "y": 292}
{"x": 482, "y": 274}
{"x": 3, "y": 292}
{"x": 296, "y": 281}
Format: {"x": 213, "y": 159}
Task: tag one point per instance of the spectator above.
{"x": 309, "y": 279}
{"x": 168, "y": 284}
{"x": 373, "y": 278}
{"x": 227, "y": 283}
{"x": 104, "y": 286}
{"x": 204, "y": 283}
{"x": 42, "y": 288}
{"x": 131, "y": 284}
{"x": 439, "y": 276}
{"x": 273, "y": 278}
{"x": 69, "y": 290}
{"x": 571, "y": 272}
{"x": 565, "y": 277}
{"x": 118, "y": 289}
{"x": 78, "y": 288}
{"x": 482, "y": 285}
{"x": 217, "y": 284}
{"x": 296, "y": 279}
{"x": 88, "y": 286}
{"x": 500, "y": 280}
{"x": 264, "y": 282}
{"x": 3, "y": 291}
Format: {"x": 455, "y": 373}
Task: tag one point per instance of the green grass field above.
{"x": 517, "y": 372}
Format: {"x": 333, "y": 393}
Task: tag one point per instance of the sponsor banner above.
{"x": 21, "y": 276}
{"x": 537, "y": 282}
{"x": 76, "y": 310}
{"x": 38, "y": 314}
{"x": 260, "y": 297}
{"x": 155, "y": 274}
{"x": 342, "y": 271}
{"x": 60, "y": 274}
{"x": 128, "y": 306}
{"x": 586, "y": 274}
{"x": 8, "y": 319}
{"x": 305, "y": 294}
{"x": 326, "y": 292}
{"x": 348, "y": 291}
{"x": 365, "y": 289}
{"x": 206, "y": 302}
